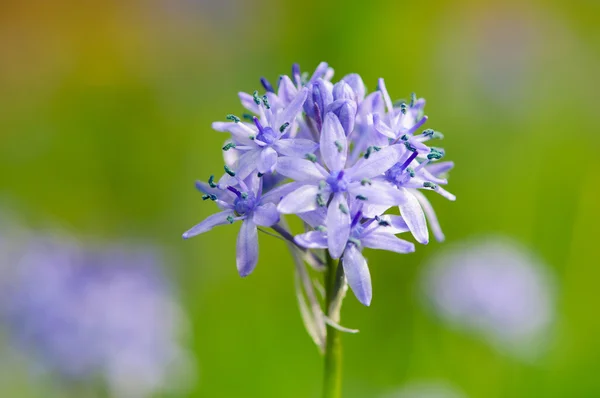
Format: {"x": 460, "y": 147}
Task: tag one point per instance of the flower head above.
{"x": 348, "y": 156}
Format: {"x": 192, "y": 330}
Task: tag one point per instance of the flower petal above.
{"x": 247, "y": 163}
{"x": 397, "y": 225}
{"x": 286, "y": 91}
{"x": 312, "y": 240}
{"x": 378, "y": 163}
{"x": 386, "y": 96}
{"x": 267, "y": 161}
{"x": 207, "y": 189}
{"x": 266, "y": 215}
{"x": 372, "y": 210}
{"x": 439, "y": 168}
{"x": 338, "y": 225}
{"x": 314, "y": 218}
{"x": 345, "y": 110}
{"x": 301, "y": 200}
{"x": 240, "y": 132}
{"x": 288, "y": 115}
{"x": 378, "y": 193}
{"x": 208, "y": 224}
{"x": 320, "y": 71}
{"x": 387, "y": 241}
{"x": 301, "y": 170}
{"x": 342, "y": 91}
{"x": 357, "y": 274}
{"x": 412, "y": 213}
{"x": 247, "y": 248}
{"x": 278, "y": 193}
{"x": 334, "y": 145}
{"x": 295, "y": 147}
{"x": 381, "y": 127}
{"x": 357, "y": 85}
{"x": 248, "y": 102}
{"x": 430, "y": 214}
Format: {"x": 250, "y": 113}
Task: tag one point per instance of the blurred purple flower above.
{"x": 495, "y": 288}
{"x": 94, "y": 314}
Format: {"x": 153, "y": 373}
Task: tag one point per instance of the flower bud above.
{"x": 355, "y": 82}
{"x": 345, "y": 110}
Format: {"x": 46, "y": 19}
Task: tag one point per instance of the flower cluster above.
{"x": 93, "y": 316}
{"x": 337, "y": 157}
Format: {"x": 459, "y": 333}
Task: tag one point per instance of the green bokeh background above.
{"x": 105, "y": 112}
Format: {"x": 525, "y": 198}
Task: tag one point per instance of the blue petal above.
{"x": 319, "y": 72}
{"x": 334, "y": 145}
{"x": 381, "y": 127}
{"x": 343, "y": 91}
{"x": 345, "y": 110}
{"x": 386, "y": 96}
{"x": 295, "y": 147}
{"x": 288, "y": 115}
{"x": 267, "y": 160}
{"x": 439, "y": 168}
{"x": 378, "y": 193}
{"x": 247, "y": 163}
{"x": 387, "y": 241}
{"x": 431, "y": 217}
{"x": 300, "y": 201}
{"x": 266, "y": 215}
{"x": 397, "y": 225}
{"x": 248, "y": 102}
{"x": 247, "y": 248}
{"x": 357, "y": 274}
{"x": 356, "y": 83}
{"x": 276, "y": 194}
{"x": 378, "y": 163}
{"x": 411, "y": 211}
{"x": 301, "y": 170}
{"x": 208, "y": 224}
{"x": 287, "y": 90}
{"x": 312, "y": 240}
{"x": 240, "y": 132}
{"x": 338, "y": 225}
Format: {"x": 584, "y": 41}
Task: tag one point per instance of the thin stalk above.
{"x": 332, "y": 377}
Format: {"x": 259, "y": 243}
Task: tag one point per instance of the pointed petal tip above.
{"x": 364, "y": 298}
{"x": 334, "y": 254}
{"x": 244, "y": 273}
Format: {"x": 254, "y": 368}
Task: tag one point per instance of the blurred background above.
{"x": 105, "y": 112}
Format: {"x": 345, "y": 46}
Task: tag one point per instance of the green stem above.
{"x": 332, "y": 378}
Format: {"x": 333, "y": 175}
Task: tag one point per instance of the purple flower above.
{"x": 495, "y": 288}
{"x": 89, "y": 315}
{"x": 338, "y": 185}
{"x": 341, "y": 150}
{"x": 416, "y": 169}
{"x": 372, "y": 233}
{"x": 263, "y": 141}
{"x": 242, "y": 202}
